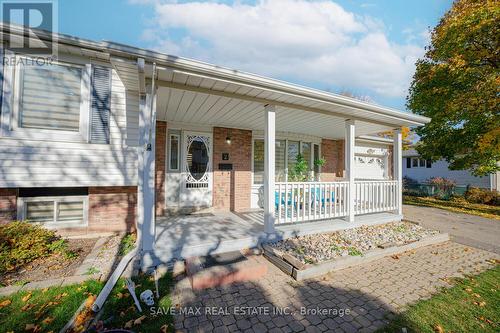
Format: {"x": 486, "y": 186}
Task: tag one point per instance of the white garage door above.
{"x": 369, "y": 167}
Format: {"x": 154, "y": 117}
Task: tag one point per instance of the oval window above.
{"x": 197, "y": 159}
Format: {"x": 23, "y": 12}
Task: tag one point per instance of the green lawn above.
{"x": 458, "y": 205}
{"x": 471, "y": 305}
{"x": 120, "y": 312}
{"x": 49, "y": 309}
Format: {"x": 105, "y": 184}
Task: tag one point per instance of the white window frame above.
{"x": 21, "y": 210}
{"x": 11, "y": 106}
{"x": 419, "y": 166}
{"x": 286, "y": 139}
{"x": 170, "y": 151}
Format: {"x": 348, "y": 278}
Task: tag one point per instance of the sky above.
{"x": 366, "y": 47}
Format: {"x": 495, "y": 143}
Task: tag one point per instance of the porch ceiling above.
{"x": 196, "y": 108}
{"x": 195, "y": 93}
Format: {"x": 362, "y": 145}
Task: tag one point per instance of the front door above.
{"x": 196, "y": 171}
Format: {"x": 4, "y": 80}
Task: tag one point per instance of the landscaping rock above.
{"x": 317, "y": 248}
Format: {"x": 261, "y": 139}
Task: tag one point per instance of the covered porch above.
{"x": 185, "y": 236}
{"x": 194, "y": 97}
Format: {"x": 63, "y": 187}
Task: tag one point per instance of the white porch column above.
{"x": 397, "y": 153}
{"x": 146, "y": 176}
{"x": 349, "y": 166}
{"x": 269, "y": 148}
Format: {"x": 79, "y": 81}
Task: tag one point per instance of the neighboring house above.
{"x": 422, "y": 170}
{"x": 113, "y": 138}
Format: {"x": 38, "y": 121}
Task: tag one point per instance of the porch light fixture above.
{"x": 228, "y": 138}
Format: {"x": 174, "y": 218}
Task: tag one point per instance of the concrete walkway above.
{"x": 358, "y": 299}
{"x": 465, "y": 229}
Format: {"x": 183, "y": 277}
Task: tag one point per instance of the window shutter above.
{"x": 429, "y": 164}
{"x": 408, "y": 162}
{"x": 100, "y": 105}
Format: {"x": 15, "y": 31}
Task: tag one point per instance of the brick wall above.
{"x": 333, "y": 152}
{"x": 112, "y": 208}
{"x": 161, "y": 156}
{"x": 232, "y": 189}
{"x": 8, "y": 205}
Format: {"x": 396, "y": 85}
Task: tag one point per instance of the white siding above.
{"x": 32, "y": 163}
{"x": 440, "y": 169}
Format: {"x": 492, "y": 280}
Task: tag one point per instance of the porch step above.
{"x": 179, "y": 211}
{"x": 223, "y": 269}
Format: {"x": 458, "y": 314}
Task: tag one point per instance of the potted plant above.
{"x": 319, "y": 162}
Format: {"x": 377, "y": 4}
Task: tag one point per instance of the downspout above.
{"x": 108, "y": 287}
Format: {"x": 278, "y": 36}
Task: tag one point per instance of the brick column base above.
{"x": 8, "y": 205}
{"x": 112, "y": 209}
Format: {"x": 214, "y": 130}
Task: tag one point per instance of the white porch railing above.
{"x": 373, "y": 196}
{"x": 308, "y": 201}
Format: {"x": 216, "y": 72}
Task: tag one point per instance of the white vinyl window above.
{"x": 286, "y": 152}
{"x": 50, "y": 97}
{"x": 50, "y": 101}
{"x": 418, "y": 162}
{"x": 55, "y": 212}
{"x": 174, "y": 151}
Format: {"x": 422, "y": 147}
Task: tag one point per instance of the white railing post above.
{"x": 349, "y": 167}
{"x": 398, "y": 169}
{"x": 269, "y": 147}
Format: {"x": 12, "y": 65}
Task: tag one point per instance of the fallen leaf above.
{"x": 438, "y": 329}
{"x": 119, "y": 295}
{"x": 32, "y": 328}
{"x": 476, "y": 295}
{"x": 3, "y": 304}
{"x": 26, "y": 298}
{"x": 129, "y": 324}
{"x": 395, "y": 257}
{"x": 466, "y": 249}
{"x": 139, "y": 320}
{"x": 90, "y": 300}
{"x": 481, "y": 304}
{"x": 61, "y": 296}
{"x": 79, "y": 329}
{"x": 27, "y": 307}
{"x": 122, "y": 314}
{"x": 48, "y": 320}
{"x": 468, "y": 290}
{"x": 164, "y": 328}
{"x": 44, "y": 290}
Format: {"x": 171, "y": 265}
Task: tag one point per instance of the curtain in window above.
{"x": 306, "y": 153}
{"x": 293, "y": 151}
{"x": 50, "y": 97}
{"x": 258, "y": 161}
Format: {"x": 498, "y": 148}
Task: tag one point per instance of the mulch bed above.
{"x": 52, "y": 267}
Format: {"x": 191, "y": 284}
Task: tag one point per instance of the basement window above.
{"x": 54, "y": 212}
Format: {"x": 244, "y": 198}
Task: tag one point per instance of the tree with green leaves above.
{"x": 457, "y": 84}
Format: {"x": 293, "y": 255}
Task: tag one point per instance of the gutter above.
{"x": 103, "y": 295}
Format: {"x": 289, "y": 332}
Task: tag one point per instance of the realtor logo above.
{"x": 30, "y": 15}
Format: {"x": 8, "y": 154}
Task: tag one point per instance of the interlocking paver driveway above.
{"x": 373, "y": 293}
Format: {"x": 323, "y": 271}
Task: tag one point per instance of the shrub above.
{"x": 22, "y": 242}
{"x": 482, "y": 196}
{"x": 444, "y": 186}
